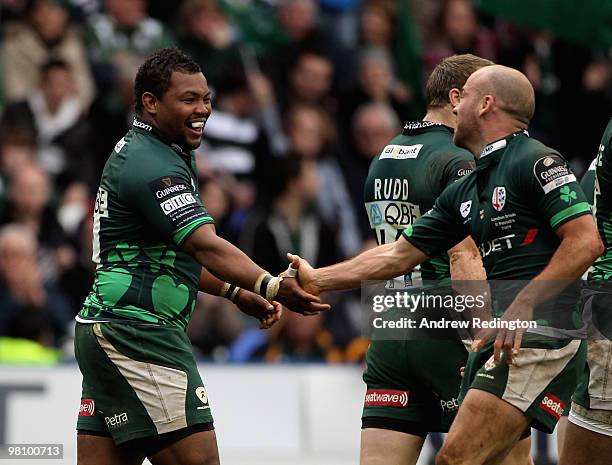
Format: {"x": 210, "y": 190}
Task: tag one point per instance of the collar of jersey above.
{"x": 496, "y": 146}
{"x": 145, "y": 128}
{"x": 419, "y": 126}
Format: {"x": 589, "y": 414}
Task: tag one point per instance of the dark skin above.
{"x": 187, "y": 101}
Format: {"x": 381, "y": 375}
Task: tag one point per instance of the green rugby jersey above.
{"x": 588, "y": 182}
{"x": 147, "y": 204}
{"x": 404, "y": 181}
{"x": 511, "y": 204}
{"x": 602, "y": 268}
{"x": 520, "y": 192}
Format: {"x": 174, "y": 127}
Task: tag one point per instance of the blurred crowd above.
{"x": 306, "y": 93}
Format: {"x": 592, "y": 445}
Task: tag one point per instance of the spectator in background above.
{"x": 376, "y": 83}
{"x": 206, "y": 34}
{"x": 535, "y": 56}
{"x": 17, "y": 149}
{"x": 234, "y": 144}
{"x": 376, "y": 24}
{"x": 214, "y": 192}
{"x": 312, "y": 136}
{"x": 373, "y": 126}
{"x": 293, "y": 224}
{"x": 112, "y": 112}
{"x": 29, "y": 339}
{"x": 214, "y": 326}
{"x": 124, "y": 27}
{"x": 75, "y": 281}
{"x": 47, "y": 33}
{"x": 22, "y": 287}
{"x": 459, "y": 33}
{"x": 298, "y": 31}
{"x": 310, "y": 81}
{"x": 52, "y": 113}
{"x": 28, "y": 206}
{"x": 301, "y": 339}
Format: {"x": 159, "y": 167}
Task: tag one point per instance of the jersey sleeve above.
{"x": 167, "y": 202}
{"x": 588, "y": 182}
{"x": 449, "y": 168}
{"x": 439, "y": 229}
{"x": 457, "y": 167}
{"x": 553, "y": 188}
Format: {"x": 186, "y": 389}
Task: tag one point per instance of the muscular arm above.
{"x": 229, "y": 263}
{"x": 470, "y": 278}
{"x": 209, "y": 283}
{"x": 221, "y": 259}
{"x": 383, "y": 262}
{"x": 580, "y": 246}
{"x": 465, "y": 262}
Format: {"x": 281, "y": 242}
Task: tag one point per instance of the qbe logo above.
{"x": 177, "y": 202}
{"x": 87, "y": 408}
{"x": 386, "y": 398}
{"x": 553, "y": 405}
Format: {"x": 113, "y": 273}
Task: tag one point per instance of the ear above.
{"x": 454, "y": 97}
{"x": 149, "y": 103}
{"x": 486, "y": 105}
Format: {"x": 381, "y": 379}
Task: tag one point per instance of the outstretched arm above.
{"x": 383, "y": 262}
{"x": 232, "y": 265}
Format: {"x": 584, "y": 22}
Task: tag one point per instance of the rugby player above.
{"x": 524, "y": 207}
{"x": 588, "y": 434}
{"x": 422, "y": 161}
{"x": 588, "y": 182}
{"x": 142, "y": 393}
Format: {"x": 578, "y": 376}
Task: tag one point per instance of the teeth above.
{"x": 197, "y": 124}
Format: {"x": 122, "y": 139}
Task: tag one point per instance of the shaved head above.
{"x": 495, "y": 101}
{"x": 512, "y": 90}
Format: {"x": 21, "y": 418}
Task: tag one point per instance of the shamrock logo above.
{"x": 567, "y": 195}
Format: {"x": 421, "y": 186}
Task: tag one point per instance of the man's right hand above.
{"x": 305, "y": 274}
{"x": 296, "y": 298}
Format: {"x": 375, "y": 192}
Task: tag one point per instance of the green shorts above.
{"x": 595, "y": 389}
{"x": 412, "y": 386}
{"x": 539, "y": 383}
{"x": 139, "y": 381}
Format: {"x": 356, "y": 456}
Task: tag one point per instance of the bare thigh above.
{"x": 100, "y": 450}
{"x": 387, "y": 447}
{"x": 196, "y": 449}
{"x": 584, "y": 447}
{"x": 485, "y": 428}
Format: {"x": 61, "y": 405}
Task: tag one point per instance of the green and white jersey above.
{"x": 405, "y": 180}
{"x": 602, "y": 268}
{"x": 147, "y": 205}
{"x": 520, "y": 192}
{"x": 588, "y": 182}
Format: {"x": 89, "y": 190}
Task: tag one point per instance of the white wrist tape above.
{"x": 267, "y": 285}
{"x": 229, "y": 291}
{"x": 291, "y": 272}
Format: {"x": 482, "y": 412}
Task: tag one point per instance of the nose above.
{"x": 202, "y": 108}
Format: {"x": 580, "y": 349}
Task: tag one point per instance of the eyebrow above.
{"x": 196, "y": 94}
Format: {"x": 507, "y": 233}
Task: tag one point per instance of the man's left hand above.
{"x": 256, "y": 306}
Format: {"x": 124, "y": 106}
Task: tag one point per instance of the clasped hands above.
{"x": 296, "y": 295}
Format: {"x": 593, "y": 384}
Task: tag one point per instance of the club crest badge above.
{"x": 465, "y": 208}
{"x": 499, "y": 198}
